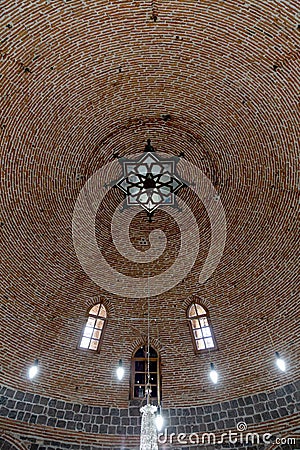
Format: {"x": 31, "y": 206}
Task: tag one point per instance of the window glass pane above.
{"x": 90, "y": 322}
{"x": 97, "y": 334}
{"x": 153, "y": 366}
{"x": 139, "y": 378}
{"x": 94, "y": 344}
{"x": 203, "y": 322}
{"x": 88, "y": 332}
{"x": 153, "y": 353}
{"x": 99, "y": 324}
{"x": 195, "y": 323}
{"x": 140, "y": 366}
{"x": 200, "y": 310}
{"x": 200, "y": 344}
{"x": 95, "y": 309}
{"x": 209, "y": 343}
{"x": 102, "y": 312}
{"x": 192, "y": 311}
{"x": 198, "y": 333}
{"x": 140, "y": 353}
{"x": 139, "y": 391}
{"x": 154, "y": 391}
{"x": 206, "y": 332}
{"x": 153, "y": 378}
{"x": 84, "y": 343}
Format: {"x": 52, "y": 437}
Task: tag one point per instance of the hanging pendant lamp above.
{"x": 148, "y": 428}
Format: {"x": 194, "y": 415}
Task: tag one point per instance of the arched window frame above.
{"x": 134, "y": 372}
{"x": 92, "y": 331}
{"x": 200, "y": 321}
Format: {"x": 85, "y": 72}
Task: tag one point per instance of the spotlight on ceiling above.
{"x": 159, "y": 421}
{"x": 214, "y": 376}
{"x": 120, "y": 370}
{"x": 33, "y": 370}
{"x": 280, "y": 362}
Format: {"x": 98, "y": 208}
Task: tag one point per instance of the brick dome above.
{"x": 84, "y": 80}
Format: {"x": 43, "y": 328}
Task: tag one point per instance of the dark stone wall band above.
{"x": 253, "y": 409}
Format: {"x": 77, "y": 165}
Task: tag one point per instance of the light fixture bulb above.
{"x": 33, "y": 370}
{"x": 214, "y": 376}
{"x": 280, "y": 362}
{"x": 159, "y": 420}
{"x": 120, "y": 370}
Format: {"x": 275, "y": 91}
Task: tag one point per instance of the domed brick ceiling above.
{"x": 83, "y": 80}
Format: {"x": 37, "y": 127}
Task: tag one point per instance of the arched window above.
{"x": 139, "y": 371}
{"x": 93, "y": 330}
{"x": 201, "y": 328}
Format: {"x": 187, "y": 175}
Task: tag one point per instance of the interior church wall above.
{"x": 266, "y": 412}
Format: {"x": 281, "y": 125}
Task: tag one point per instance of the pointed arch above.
{"x": 139, "y": 371}
{"x": 201, "y": 328}
{"x": 92, "y": 334}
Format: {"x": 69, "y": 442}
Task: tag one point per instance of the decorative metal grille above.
{"x": 150, "y": 181}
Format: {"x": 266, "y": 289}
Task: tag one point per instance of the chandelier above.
{"x": 148, "y": 428}
{"x": 150, "y": 181}
{"x": 152, "y": 420}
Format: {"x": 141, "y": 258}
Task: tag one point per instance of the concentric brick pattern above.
{"x": 216, "y": 80}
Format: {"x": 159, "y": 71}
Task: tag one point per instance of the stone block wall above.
{"x": 74, "y": 419}
{"x": 252, "y": 409}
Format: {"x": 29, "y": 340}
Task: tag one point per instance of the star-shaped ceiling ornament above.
{"x": 150, "y": 181}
